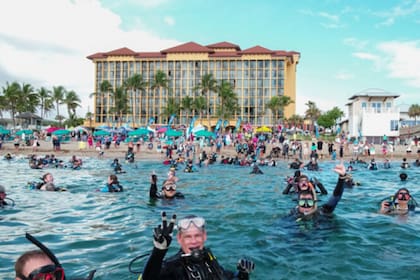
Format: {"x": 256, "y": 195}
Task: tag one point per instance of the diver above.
{"x": 405, "y": 164}
{"x": 129, "y": 156}
{"x": 8, "y": 156}
{"x": 169, "y": 191}
{"x": 41, "y": 264}
{"x": 403, "y": 177}
{"x": 307, "y": 208}
{"x": 3, "y": 198}
{"x": 401, "y": 203}
{"x": 300, "y": 182}
{"x": 76, "y": 163}
{"x": 112, "y": 185}
{"x": 312, "y": 165}
{"x": 193, "y": 260}
{"x": 48, "y": 184}
{"x": 295, "y": 164}
{"x": 153, "y": 192}
{"x": 256, "y": 169}
{"x": 117, "y": 166}
{"x": 372, "y": 165}
{"x": 189, "y": 167}
{"x": 387, "y": 164}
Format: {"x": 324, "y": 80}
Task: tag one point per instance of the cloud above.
{"x": 404, "y": 9}
{"x": 344, "y": 75}
{"x": 169, "y": 20}
{"x": 403, "y": 60}
{"x": 328, "y": 16}
{"x": 356, "y": 43}
{"x": 46, "y": 43}
{"x": 366, "y": 56}
{"x": 148, "y": 3}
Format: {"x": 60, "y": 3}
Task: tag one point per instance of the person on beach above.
{"x": 401, "y": 203}
{"x": 112, "y": 185}
{"x": 193, "y": 260}
{"x": 307, "y": 208}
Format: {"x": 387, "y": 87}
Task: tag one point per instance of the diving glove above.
{"x": 245, "y": 265}
{"x": 162, "y": 234}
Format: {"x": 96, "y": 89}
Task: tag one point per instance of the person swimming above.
{"x": 112, "y": 185}
{"x": 401, "y": 203}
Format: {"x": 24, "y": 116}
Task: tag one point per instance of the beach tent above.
{"x": 173, "y": 133}
{"x": 204, "y": 133}
{"x": 139, "y": 132}
{"x": 101, "y": 133}
{"x": 61, "y": 132}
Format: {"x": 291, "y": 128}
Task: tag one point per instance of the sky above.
{"x": 346, "y": 46}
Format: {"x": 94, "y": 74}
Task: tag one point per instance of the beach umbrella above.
{"x": 103, "y": 127}
{"x": 61, "y": 132}
{"x": 263, "y": 129}
{"x": 162, "y": 129}
{"x": 173, "y": 133}
{"x": 139, "y": 132}
{"x": 4, "y": 131}
{"x": 26, "y": 131}
{"x": 52, "y": 129}
{"x": 101, "y": 133}
{"x": 204, "y": 133}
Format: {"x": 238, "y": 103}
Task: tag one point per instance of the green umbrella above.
{"x": 4, "y": 131}
{"x": 138, "y": 132}
{"x": 61, "y": 132}
{"x": 26, "y": 131}
{"x": 101, "y": 133}
{"x": 173, "y": 133}
{"x": 204, "y": 133}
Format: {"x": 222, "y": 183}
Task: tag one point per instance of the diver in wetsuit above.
{"x": 300, "y": 183}
{"x": 193, "y": 260}
{"x": 112, "y": 185}
{"x": 307, "y": 207}
{"x": 401, "y": 203}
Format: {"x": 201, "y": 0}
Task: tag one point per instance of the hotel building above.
{"x": 256, "y": 74}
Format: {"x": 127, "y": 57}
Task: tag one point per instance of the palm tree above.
{"x": 136, "y": 84}
{"x": 11, "y": 99}
{"x": 160, "y": 81}
{"x": 414, "y": 112}
{"x": 121, "y": 107}
{"x": 277, "y": 105}
{"x": 172, "y": 108}
{"x": 28, "y": 99}
{"x": 89, "y": 116}
{"x": 58, "y": 98}
{"x": 45, "y": 100}
{"x": 72, "y": 101}
{"x": 105, "y": 90}
{"x": 312, "y": 112}
{"x": 187, "y": 104}
{"x": 207, "y": 85}
{"x": 199, "y": 106}
{"x": 295, "y": 120}
{"x": 228, "y": 100}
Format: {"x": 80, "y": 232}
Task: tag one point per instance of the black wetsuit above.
{"x": 154, "y": 194}
{"x": 178, "y": 267}
{"x": 326, "y": 208}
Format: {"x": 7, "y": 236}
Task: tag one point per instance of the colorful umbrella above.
{"x": 263, "y": 129}
{"x": 61, "y": 132}
{"x": 4, "y": 131}
{"x": 101, "y": 133}
{"x": 173, "y": 133}
{"x": 26, "y": 131}
{"x": 204, "y": 133}
{"x": 162, "y": 129}
{"x": 138, "y": 132}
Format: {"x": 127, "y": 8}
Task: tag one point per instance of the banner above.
{"x": 171, "y": 119}
{"x": 219, "y": 123}
{"x": 238, "y": 124}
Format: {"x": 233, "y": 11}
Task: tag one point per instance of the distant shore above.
{"x": 81, "y": 150}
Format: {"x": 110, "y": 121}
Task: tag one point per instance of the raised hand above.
{"x": 162, "y": 234}
{"x": 245, "y": 265}
{"x": 340, "y": 169}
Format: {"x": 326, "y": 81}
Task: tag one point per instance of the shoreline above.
{"x": 74, "y": 148}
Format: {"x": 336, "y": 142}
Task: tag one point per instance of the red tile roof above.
{"x": 257, "y": 50}
{"x": 189, "y": 47}
{"x": 150, "y": 55}
{"x": 224, "y": 45}
{"x": 96, "y": 55}
{"x": 122, "y": 51}
{"x": 225, "y": 54}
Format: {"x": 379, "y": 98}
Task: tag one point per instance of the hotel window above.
{"x": 394, "y": 125}
{"x": 376, "y": 106}
{"x": 364, "y": 105}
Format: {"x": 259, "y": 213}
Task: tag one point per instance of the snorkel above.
{"x": 52, "y": 257}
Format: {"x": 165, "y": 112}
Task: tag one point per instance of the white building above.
{"x": 372, "y": 114}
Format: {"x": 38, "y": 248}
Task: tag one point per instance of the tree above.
{"x": 187, "y": 105}
{"x": 28, "y": 99}
{"x": 295, "y": 120}
{"x": 137, "y": 85}
{"x": 312, "y": 112}
{"x": 45, "y": 100}
{"x": 11, "y": 99}
{"x": 199, "y": 106}
{"x": 207, "y": 85}
{"x": 89, "y": 116}
{"x": 277, "y": 105}
{"x": 72, "y": 101}
{"x": 228, "y": 100}
{"x": 58, "y": 98}
{"x": 329, "y": 119}
{"x": 105, "y": 90}
{"x": 414, "y": 112}
{"x": 120, "y": 108}
{"x": 172, "y": 108}
{"x": 160, "y": 81}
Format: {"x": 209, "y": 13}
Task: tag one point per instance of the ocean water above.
{"x": 246, "y": 215}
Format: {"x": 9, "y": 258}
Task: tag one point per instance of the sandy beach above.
{"x": 76, "y": 148}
